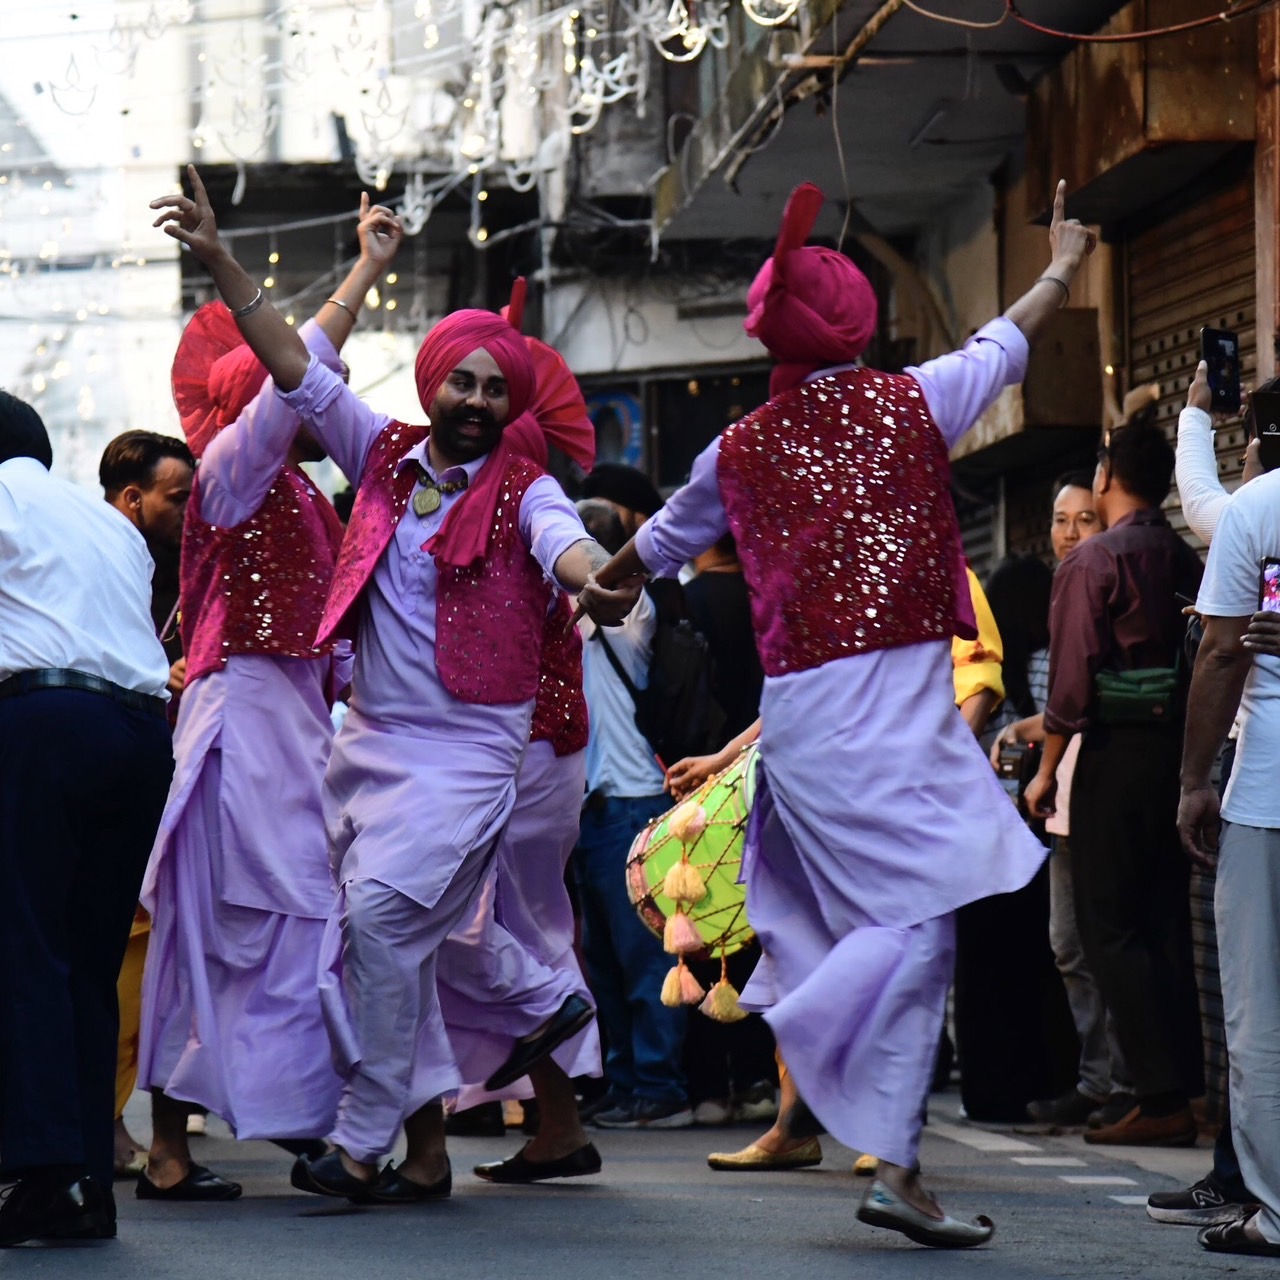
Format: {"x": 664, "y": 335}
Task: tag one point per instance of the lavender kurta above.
{"x": 419, "y": 781}
{"x": 880, "y": 810}
{"x": 238, "y": 885}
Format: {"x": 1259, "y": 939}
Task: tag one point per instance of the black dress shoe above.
{"x": 199, "y": 1184}
{"x": 567, "y": 1021}
{"x": 44, "y": 1208}
{"x": 327, "y": 1177}
{"x": 577, "y": 1164}
{"x": 392, "y": 1187}
{"x": 312, "y": 1148}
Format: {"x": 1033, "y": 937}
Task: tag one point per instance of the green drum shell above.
{"x": 717, "y": 853}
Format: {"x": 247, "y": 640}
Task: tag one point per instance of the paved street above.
{"x": 657, "y": 1211}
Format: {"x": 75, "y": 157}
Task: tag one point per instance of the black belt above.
{"x": 61, "y": 678}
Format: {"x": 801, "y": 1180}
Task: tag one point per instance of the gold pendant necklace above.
{"x": 430, "y": 496}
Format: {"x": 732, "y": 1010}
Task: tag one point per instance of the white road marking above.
{"x": 1095, "y": 1180}
{"x": 978, "y": 1139}
{"x": 1130, "y": 1199}
{"x": 1054, "y": 1162}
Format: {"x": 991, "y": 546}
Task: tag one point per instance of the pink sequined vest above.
{"x": 560, "y": 713}
{"x": 489, "y": 618}
{"x": 838, "y": 493}
{"x": 260, "y": 586}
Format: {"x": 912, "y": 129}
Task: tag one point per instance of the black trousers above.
{"x": 1133, "y": 908}
{"x": 83, "y": 782}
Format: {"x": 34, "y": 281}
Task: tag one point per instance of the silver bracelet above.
{"x": 1062, "y": 284}
{"x": 249, "y": 307}
{"x": 338, "y": 302}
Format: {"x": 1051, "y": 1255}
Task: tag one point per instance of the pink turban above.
{"x": 812, "y": 308}
{"x": 456, "y": 337}
{"x": 558, "y": 415}
{"x": 463, "y": 539}
{"x": 215, "y": 375}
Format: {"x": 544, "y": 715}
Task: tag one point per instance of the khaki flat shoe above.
{"x": 754, "y": 1159}
{"x": 881, "y": 1208}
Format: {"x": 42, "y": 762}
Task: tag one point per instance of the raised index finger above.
{"x": 197, "y": 186}
{"x": 364, "y": 205}
{"x": 1060, "y": 201}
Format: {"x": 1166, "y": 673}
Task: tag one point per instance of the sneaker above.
{"x": 1072, "y": 1110}
{"x": 712, "y": 1112}
{"x": 609, "y": 1100}
{"x": 1203, "y": 1204}
{"x": 647, "y": 1113}
{"x": 757, "y": 1104}
{"x": 1112, "y": 1111}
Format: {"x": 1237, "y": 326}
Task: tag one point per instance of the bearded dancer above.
{"x": 526, "y": 904}
{"x": 443, "y": 573}
{"x": 239, "y": 887}
{"x": 837, "y": 491}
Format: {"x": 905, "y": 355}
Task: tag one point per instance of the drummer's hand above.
{"x": 690, "y": 773}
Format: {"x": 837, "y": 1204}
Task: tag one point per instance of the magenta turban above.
{"x": 456, "y": 337}
{"x": 812, "y": 308}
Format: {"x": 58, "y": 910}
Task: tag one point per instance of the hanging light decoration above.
{"x": 770, "y": 13}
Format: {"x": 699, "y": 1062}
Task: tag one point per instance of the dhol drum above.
{"x": 686, "y": 864}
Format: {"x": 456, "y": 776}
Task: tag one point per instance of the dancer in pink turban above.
{"x": 238, "y": 885}
{"x": 443, "y": 578}
{"x": 876, "y": 813}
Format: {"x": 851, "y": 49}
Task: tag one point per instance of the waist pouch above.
{"x": 1147, "y": 695}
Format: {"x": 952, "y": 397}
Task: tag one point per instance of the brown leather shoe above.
{"x": 1137, "y": 1130}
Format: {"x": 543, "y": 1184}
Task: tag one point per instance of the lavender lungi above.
{"x": 238, "y": 888}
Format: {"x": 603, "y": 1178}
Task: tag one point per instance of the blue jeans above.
{"x": 625, "y": 962}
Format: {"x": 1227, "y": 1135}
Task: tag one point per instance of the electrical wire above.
{"x": 956, "y": 22}
{"x": 1231, "y": 14}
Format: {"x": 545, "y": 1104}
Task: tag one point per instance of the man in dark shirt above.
{"x": 1116, "y": 609}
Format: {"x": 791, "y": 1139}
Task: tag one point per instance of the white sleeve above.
{"x": 1203, "y": 496}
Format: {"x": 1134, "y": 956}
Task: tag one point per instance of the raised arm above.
{"x": 191, "y": 222}
{"x": 1070, "y": 242}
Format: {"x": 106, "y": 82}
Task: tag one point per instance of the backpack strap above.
{"x": 616, "y": 663}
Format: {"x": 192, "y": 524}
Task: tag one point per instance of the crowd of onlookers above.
{"x": 1076, "y": 1002}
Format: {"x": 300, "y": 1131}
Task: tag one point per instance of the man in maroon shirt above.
{"x": 1116, "y": 609}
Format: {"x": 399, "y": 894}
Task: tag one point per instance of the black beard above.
{"x": 470, "y": 417}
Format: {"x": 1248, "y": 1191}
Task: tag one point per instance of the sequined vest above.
{"x": 838, "y": 493}
{"x": 560, "y": 713}
{"x": 260, "y": 586}
{"x": 489, "y": 618}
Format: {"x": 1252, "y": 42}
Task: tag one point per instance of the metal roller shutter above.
{"x": 1194, "y": 269}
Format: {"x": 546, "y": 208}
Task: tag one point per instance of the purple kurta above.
{"x": 879, "y": 816}
{"x": 527, "y": 897}
{"x": 419, "y": 789}
{"x": 238, "y": 885}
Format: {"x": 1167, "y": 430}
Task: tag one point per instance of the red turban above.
{"x": 812, "y": 308}
{"x": 464, "y": 537}
{"x": 215, "y": 375}
{"x": 456, "y": 337}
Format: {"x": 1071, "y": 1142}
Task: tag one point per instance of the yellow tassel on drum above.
{"x": 671, "y": 996}
{"x": 683, "y": 883}
{"x": 722, "y": 1005}
{"x": 680, "y": 936}
{"x": 691, "y": 990}
{"x": 687, "y": 822}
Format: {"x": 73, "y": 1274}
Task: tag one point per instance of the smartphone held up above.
{"x": 1220, "y": 350}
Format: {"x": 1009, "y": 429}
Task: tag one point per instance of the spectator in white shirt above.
{"x": 85, "y": 763}
{"x": 626, "y": 964}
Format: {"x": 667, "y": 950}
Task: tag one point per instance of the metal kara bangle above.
{"x": 338, "y": 302}
{"x": 1062, "y": 284}
{"x": 249, "y": 307}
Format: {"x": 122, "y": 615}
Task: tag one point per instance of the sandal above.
{"x": 1231, "y": 1237}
